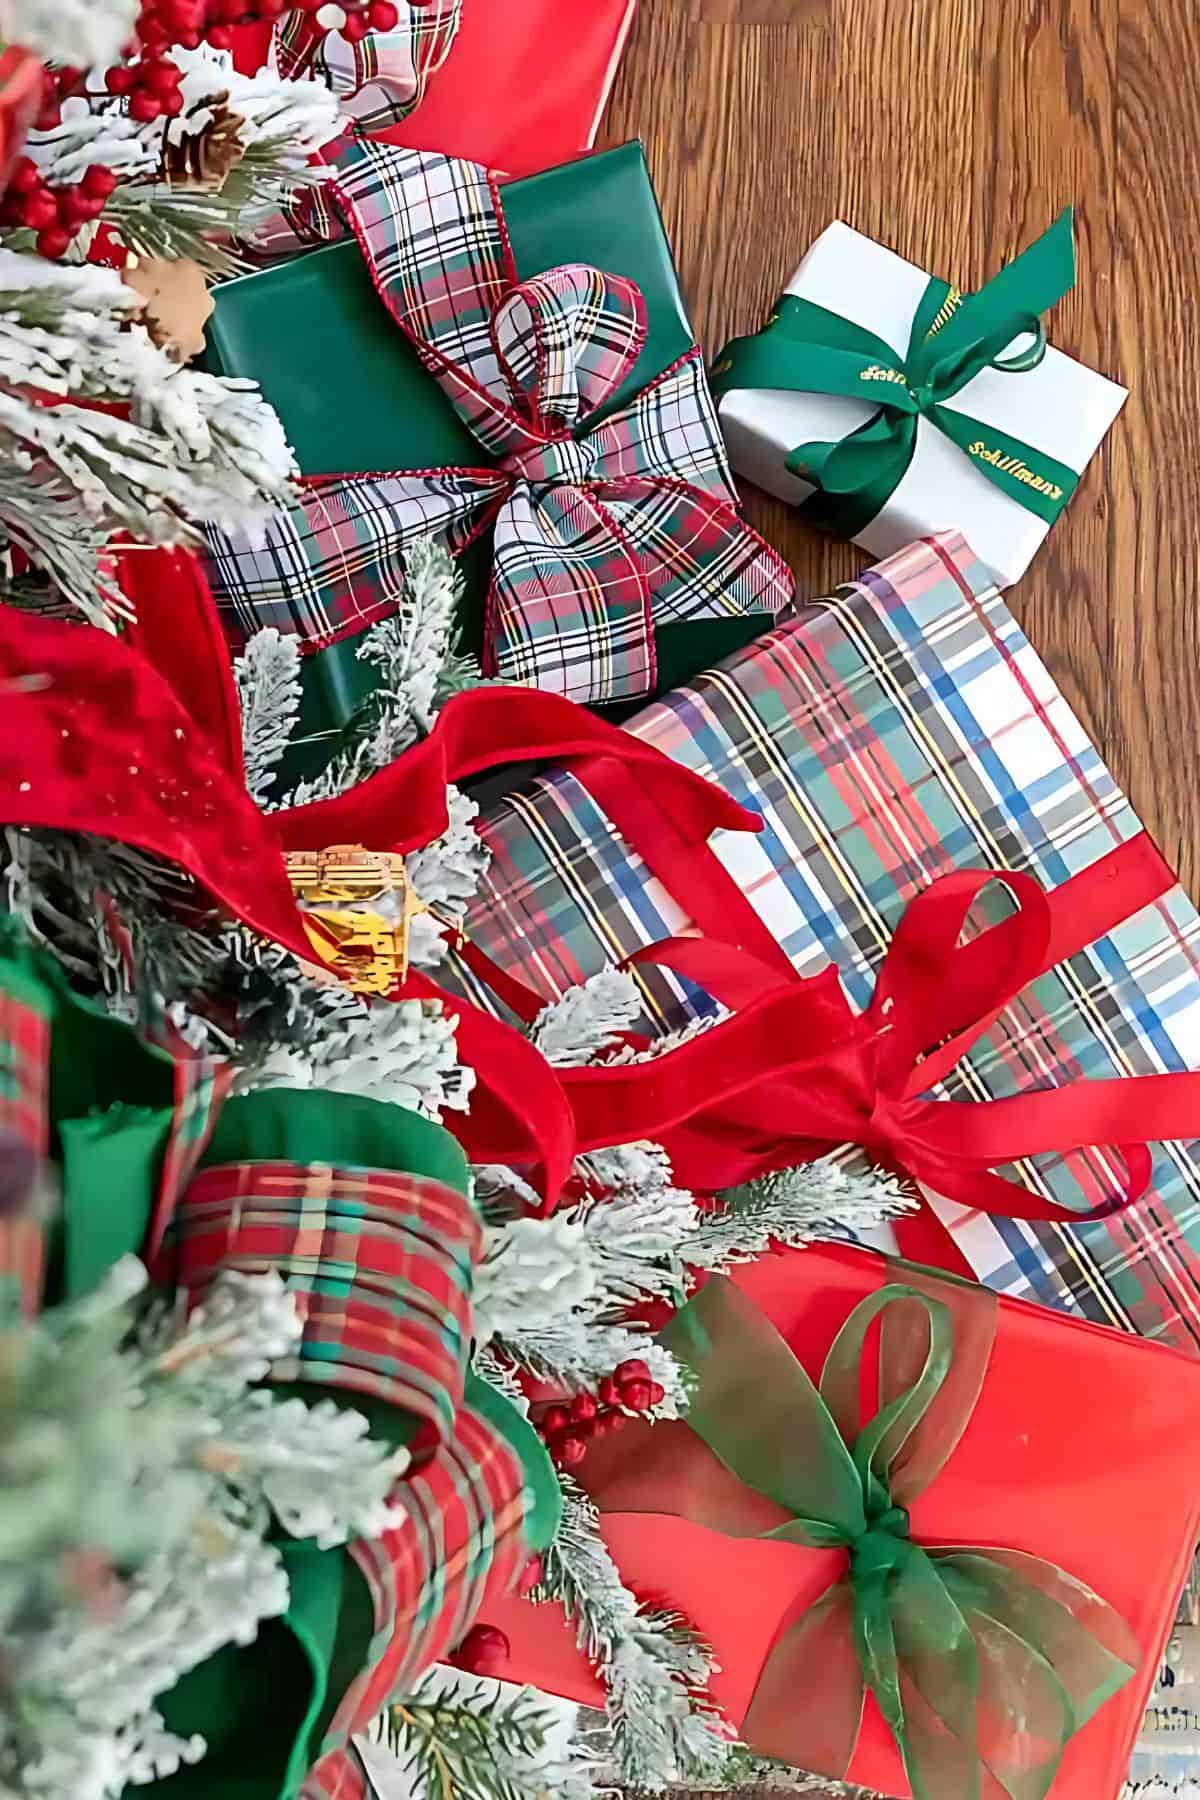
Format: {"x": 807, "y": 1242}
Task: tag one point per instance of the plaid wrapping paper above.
{"x": 382, "y": 79}
{"x": 899, "y": 730}
{"x": 381, "y": 1266}
{"x": 604, "y": 525}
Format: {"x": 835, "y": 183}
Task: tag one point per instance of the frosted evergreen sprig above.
{"x": 267, "y": 677}
{"x": 194, "y": 447}
{"x": 795, "y": 1207}
{"x": 458, "y": 1737}
{"x": 588, "y": 1020}
{"x": 131, "y": 1441}
{"x": 409, "y": 650}
{"x": 661, "y": 1727}
{"x": 82, "y": 33}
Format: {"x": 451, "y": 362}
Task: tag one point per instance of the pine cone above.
{"x": 201, "y": 147}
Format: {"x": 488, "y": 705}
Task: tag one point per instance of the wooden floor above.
{"x": 955, "y": 130}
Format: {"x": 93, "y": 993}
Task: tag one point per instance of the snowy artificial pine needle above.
{"x": 460, "y": 1737}
{"x": 84, "y": 34}
{"x": 267, "y": 676}
{"x": 137, "y": 1450}
{"x": 192, "y": 447}
{"x": 794, "y": 1207}
{"x": 409, "y": 651}
{"x": 588, "y": 1020}
{"x": 660, "y": 1729}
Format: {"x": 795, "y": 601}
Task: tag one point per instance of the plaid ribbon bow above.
{"x": 381, "y": 1264}
{"x": 381, "y": 78}
{"x": 606, "y": 522}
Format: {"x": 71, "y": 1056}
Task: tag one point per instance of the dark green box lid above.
{"x": 354, "y": 397}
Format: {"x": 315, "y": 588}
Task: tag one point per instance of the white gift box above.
{"x": 1061, "y": 407}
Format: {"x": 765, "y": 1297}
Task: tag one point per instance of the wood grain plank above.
{"x": 1155, "y": 663}
{"x": 954, "y": 130}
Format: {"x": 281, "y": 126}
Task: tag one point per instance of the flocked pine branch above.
{"x": 459, "y": 1738}
{"x": 144, "y": 1472}
{"x": 795, "y": 1206}
{"x": 267, "y": 675}
{"x": 409, "y": 651}
{"x": 661, "y": 1726}
{"x": 81, "y": 33}
{"x": 403, "y": 1051}
{"x": 588, "y": 1020}
{"x": 193, "y": 446}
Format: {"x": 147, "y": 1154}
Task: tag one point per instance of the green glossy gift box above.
{"x": 354, "y": 397}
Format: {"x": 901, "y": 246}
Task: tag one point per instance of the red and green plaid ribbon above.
{"x": 381, "y": 1264}
{"x": 24, "y": 1115}
{"x": 606, "y": 523}
{"x": 382, "y": 78}
{"x": 170, "y": 1101}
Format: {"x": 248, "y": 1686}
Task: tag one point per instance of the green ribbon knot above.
{"x": 983, "y": 1662}
{"x": 954, "y": 337}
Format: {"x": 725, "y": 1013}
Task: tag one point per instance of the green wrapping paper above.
{"x": 353, "y": 396}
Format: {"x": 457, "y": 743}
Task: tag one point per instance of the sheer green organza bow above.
{"x": 984, "y": 1662}
{"x": 954, "y": 337}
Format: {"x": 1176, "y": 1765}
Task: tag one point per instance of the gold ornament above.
{"x": 359, "y": 906}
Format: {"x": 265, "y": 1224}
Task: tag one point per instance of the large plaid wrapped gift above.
{"x": 975, "y": 1602}
{"x": 899, "y": 734}
{"x": 530, "y": 379}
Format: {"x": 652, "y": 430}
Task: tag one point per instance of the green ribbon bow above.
{"x": 954, "y": 337}
{"x": 982, "y": 1661}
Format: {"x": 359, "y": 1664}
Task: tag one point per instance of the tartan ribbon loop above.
{"x": 604, "y": 525}
{"x": 953, "y": 338}
{"x": 566, "y": 341}
{"x": 381, "y": 78}
{"x": 983, "y": 1662}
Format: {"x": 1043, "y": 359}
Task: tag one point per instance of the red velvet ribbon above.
{"x": 143, "y": 746}
{"x": 794, "y": 1072}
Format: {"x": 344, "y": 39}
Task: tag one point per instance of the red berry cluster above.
{"x": 55, "y": 213}
{"x": 568, "y": 1427}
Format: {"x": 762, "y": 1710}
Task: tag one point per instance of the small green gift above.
{"x": 529, "y": 385}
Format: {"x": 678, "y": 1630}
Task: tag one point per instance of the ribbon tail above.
{"x": 333, "y": 563}
{"x": 569, "y": 606}
{"x": 1051, "y": 1652}
{"x": 1034, "y": 479}
{"x": 1011, "y": 303}
{"x": 807, "y": 1707}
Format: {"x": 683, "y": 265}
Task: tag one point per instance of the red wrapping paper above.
{"x": 524, "y": 87}
{"x": 1081, "y": 1450}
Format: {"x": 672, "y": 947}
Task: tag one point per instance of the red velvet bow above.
{"x": 795, "y": 1073}
{"x": 96, "y": 740}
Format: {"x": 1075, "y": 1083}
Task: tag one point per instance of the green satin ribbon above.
{"x": 954, "y": 337}
{"x": 982, "y": 1661}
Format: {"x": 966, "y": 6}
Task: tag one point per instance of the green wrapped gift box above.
{"x": 354, "y": 397}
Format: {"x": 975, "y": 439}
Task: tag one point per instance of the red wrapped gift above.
{"x": 523, "y": 88}
{"x": 526, "y": 84}
{"x": 1077, "y": 1450}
